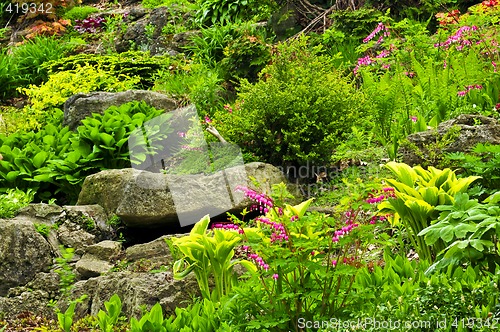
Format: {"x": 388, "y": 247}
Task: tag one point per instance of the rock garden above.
{"x": 230, "y": 165}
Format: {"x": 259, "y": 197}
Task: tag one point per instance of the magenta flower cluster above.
{"x": 367, "y": 60}
{"x": 374, "y": 219}
{"x": 350, "y": 225}
{"x": 265, "y": 203}
{"x": 228, "y": 226}
{"x": 388, "y": 192}
{"x": 469, "y": 88}
{"x": 380, "y": 27}
{"x": 279, "y": 232}
{"x": 259, "y": 261}
{"x": 458, "y": 38}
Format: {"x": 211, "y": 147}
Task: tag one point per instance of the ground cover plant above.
{"x": 372, "y": 241}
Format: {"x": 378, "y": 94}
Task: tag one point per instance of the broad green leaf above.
{"x": 404, "y": 173}
{"x": 40, "y": 158}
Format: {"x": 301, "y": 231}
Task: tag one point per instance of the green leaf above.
{"x": 40, "y": 158}
{"x": 107, "y": 139}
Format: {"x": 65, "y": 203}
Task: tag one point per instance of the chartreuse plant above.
{"x": 209, "y": 254}
{"x": 470, "y": 231}
{"x": 12, "y": 200}
{"x": 107, "y": 320}
{"x": 202, "y": 316}
{"x": 62, "y": 85}
{"x": 418, "y": 192}
{"x": 65, "y": 319}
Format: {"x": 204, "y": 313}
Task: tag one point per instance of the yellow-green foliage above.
{"x": 418, "y": 192}
{"x": 62, "y": 85}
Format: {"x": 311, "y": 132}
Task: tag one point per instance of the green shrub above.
{"x": 483, "y": 160}
{"x": 300, "y": 110}
{"x": 469, "y": 229}
{"x": 12, "y": 200}
{"x": 192, "y": 83}
{"x": 79, "y": 13}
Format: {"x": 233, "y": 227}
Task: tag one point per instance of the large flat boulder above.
{"x": 144, "y": 199}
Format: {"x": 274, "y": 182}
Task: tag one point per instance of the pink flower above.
{"x": 181, "y": 134}
{"x": 414, "y": 119}
{"x": 379, "y": 28}
{"x": 334, "y": 262}
{"x": 207, "y": 119}
{"x": 275, "y": 276}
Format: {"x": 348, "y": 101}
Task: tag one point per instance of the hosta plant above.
{"x": 470, "y": 230}
{"x": 209, "y": 254}
{"x": 417, "y": 193}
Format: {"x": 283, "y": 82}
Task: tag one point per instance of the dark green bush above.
{"x": 214, "y": 12}
{"x": 300, "y": 110}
